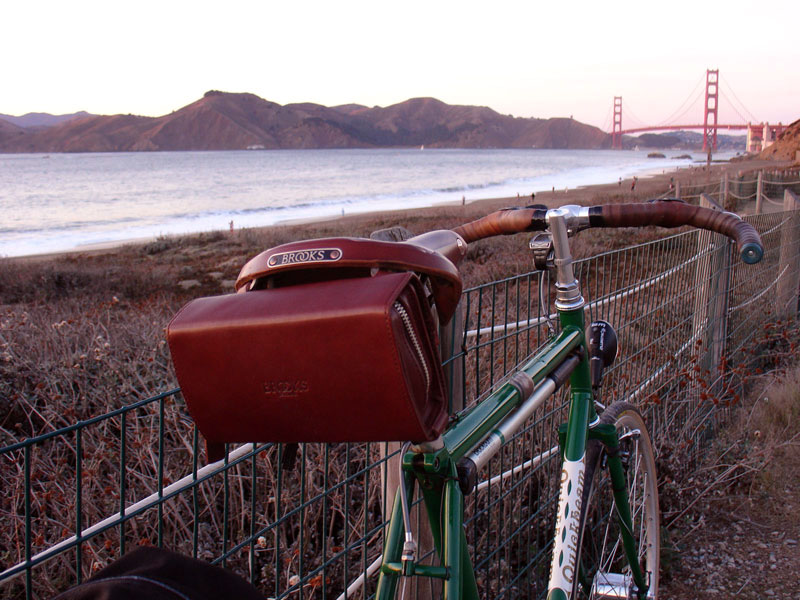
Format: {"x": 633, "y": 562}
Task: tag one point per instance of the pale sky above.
{"x": 537, "y": 58}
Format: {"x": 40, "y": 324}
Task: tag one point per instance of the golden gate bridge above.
{"x": 759, "y": 134}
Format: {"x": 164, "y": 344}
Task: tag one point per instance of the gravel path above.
{"x": 740, "y": 545}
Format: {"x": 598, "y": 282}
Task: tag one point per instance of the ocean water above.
{"x": 60, "y": 202}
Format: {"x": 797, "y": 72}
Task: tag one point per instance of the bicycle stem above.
{"x": 568, "y": 293}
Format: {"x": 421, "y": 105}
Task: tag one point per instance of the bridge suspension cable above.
{"x": 752, "y": 119}
{"x": 692, "y": 106}
{"x": 693, "y": 97}
{"x": 637, "y": 121}
{"x": 744, "y": 120}
{"x": 607, "y": 120}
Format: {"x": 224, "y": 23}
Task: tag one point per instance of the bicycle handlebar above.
{"x": 503, "y": 222}
{"x": 675, "y": 214}
{"x": 661, "y": 214}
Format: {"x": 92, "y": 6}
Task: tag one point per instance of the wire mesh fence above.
{"x": 752, "y": 192}
{"x": 309, "y": 522}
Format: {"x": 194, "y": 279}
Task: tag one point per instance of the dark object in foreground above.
{"x": 159, "y": 574}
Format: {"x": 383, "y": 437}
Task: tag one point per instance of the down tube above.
{"x": 563, "y": 568}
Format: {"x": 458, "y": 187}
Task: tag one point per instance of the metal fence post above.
{"x": 710, "y": 322}
{"x": 789, "y": 263}
{"x": 678, "y": 189}
{"x": 451, "y": 341}
{"x": 723, "y": 190}
{"x": 759, "y": 191}
{"x": 390, "y": 467}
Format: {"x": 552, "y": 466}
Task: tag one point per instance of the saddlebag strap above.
{"x": 350, "y": 253}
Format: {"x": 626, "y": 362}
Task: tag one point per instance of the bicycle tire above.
{"x": 600, "y": 554}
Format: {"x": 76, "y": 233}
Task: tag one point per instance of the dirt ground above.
{"x": 734, "y": 547}
{"x": 741, "y": 538}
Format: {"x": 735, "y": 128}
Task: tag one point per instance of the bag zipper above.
{"x": 415, "y": 342}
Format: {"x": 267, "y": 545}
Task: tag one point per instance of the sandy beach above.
{"x": 178, "y": 268}
{"x": 646, "y": 187}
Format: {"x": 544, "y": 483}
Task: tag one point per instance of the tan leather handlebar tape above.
{"x": 503, "y": 222}
{"x": 675, "y": 214}
{"x": 342, "y": 253}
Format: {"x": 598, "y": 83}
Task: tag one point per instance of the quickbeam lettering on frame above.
{"x": 562, "y": 569}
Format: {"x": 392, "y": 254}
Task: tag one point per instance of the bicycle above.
{"x": 606, "y": 542}
{"x": 606, "y": 539}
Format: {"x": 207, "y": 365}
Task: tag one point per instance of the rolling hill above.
{"x": 35, "y": 120}
{"x": 235, "y": 121}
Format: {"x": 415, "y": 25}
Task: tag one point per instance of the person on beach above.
{"x": 633, "y": 183}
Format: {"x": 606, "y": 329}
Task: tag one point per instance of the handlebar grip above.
{"x": 503, "y": 222}
{"x": 673, "y": 214}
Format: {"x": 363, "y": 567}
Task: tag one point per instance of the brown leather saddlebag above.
{"x": 310, "y": 353}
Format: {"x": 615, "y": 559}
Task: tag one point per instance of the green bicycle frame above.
{"x": 435, "y": 470}
{"x": 437, "y": 476}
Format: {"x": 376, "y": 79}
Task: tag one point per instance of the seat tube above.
{"x": 454, "y": 508}
{"x": 570, "y": 305}
{"x": 392, "y": 551}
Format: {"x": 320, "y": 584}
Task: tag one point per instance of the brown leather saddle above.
{"x": 434, "y": 254}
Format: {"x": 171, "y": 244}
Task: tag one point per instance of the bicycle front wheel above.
{"x": 604, "y": 569}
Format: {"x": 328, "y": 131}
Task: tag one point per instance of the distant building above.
{"x": 762, "y": 135}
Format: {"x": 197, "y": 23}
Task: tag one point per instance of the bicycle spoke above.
{"x": 603, "y": 556}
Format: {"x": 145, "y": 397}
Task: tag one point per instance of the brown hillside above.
{"x": 421, "y": 114}
{"x": 215, "y": 122}
{"x": 10, "y": 132}
{"x": 432, "y": 122}
{"x": 225, "y": 121}
{"x": 350, "y": 109}
{"x": 221, "y": 121}
{"x": 786, "y": 146}
{"x": 564, "y": 133}
{"x": 90, "y": 134}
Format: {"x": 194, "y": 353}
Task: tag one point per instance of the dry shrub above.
{"x": 776, "y": 417}
{"x": 770, "y": 430}
{"x": 758, "y": 451}
{"x": 76, "y": 358}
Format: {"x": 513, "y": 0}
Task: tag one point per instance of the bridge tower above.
{"x": 616, "y": 132}
{"x": 710, "y": 119}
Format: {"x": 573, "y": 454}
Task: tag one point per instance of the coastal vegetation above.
{"x": 83, "y": 334}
